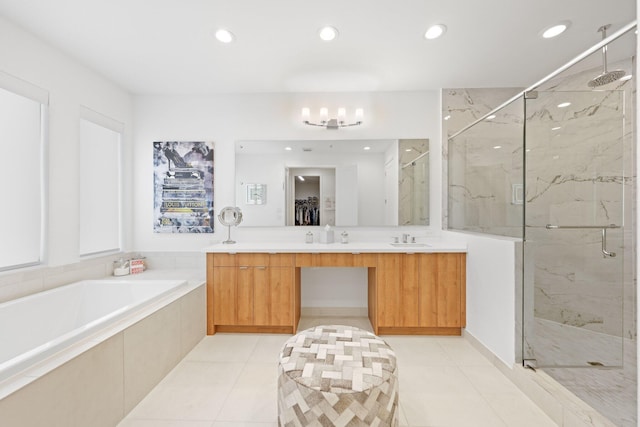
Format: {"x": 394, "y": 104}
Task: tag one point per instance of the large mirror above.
{"x": 340, "y": 183}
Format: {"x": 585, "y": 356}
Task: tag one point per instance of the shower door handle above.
{"x": 604, "y": 229}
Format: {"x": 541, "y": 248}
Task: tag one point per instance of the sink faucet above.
{"x": 405, "y": 238}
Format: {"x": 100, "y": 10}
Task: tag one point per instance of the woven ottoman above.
{"x": 337, "y": 376}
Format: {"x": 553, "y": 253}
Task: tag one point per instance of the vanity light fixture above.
{"x": 224, "y": 36}
{"x": 328, "y": 123}
{"x": 435, "y": 31}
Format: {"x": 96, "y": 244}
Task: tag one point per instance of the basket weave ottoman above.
{"x": 337, "y": 376}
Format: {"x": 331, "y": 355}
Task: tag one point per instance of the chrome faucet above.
{"x": 405, "y": 238}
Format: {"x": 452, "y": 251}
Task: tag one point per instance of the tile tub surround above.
{"x": 26, "y": 281}
{"x": 98, "y": 381}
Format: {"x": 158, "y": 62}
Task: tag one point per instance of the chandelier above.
{"x": 325, "y": 121}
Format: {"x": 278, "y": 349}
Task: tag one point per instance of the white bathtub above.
{"x": 36, "y": 327}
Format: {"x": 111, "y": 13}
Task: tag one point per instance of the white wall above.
{"x": 491, "y": 292}
{"x": 225, "y": 119}
{"x": 70, "y": 86}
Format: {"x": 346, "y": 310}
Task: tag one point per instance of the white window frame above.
{"x": 90, "y": 244}
{"x": 34, "y": 93}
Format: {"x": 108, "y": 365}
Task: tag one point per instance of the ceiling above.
{"x": 167, "y": 46}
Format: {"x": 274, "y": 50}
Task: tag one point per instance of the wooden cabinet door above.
{"x": 280, "y": 300}
{"x": 429, "y": 290}
{"x": 262, "y": 292}
{"x": 388, "y": 283}
{"x": 398, "y": 290}
{"x": 244, "y": 296}
{"x": 449, "y": 289}
{"x": 224, "y": 295}
{"x": 409, "y": 290}
{"x": 441, "y": 290}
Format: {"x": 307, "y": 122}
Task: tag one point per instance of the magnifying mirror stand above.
{"x": 229, "y": 241}
{"x": 230, "y": 216}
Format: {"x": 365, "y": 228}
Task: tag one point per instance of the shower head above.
{"x": 607, "y": 76}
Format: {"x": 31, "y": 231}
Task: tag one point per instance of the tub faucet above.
{"x": 405, "y": 238}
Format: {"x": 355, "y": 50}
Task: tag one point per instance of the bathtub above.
{"x": 35, "y": 327}
{"x": 89, "y": 352}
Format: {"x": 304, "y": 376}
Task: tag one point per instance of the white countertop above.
{"x": 432, "y": 246}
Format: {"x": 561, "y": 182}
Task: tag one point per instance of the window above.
{"x": 100, "y": 183}
{"x": 22, "y": 191}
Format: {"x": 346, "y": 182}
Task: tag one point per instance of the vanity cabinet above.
{"x": 408, "y": 293}
{"x": 420, "y": 293}
{"x": 250, "y": 292}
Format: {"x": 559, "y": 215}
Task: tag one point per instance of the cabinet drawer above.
{"x": 365, "y": 260}
{"x": 281, "y": 260}
{"x": 224, "y": 260}
{"x": 336, "y": 259}
{"x": 253, "y": 260}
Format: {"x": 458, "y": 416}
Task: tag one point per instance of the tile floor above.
{"x": 229, "y": 380}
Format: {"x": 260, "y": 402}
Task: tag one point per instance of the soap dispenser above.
{"x": 344, "y": 237}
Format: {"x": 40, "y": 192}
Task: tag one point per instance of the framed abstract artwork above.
{"x": 183, "y": 187}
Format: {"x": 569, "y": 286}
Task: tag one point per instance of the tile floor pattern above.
{"x": 230, "y": 380}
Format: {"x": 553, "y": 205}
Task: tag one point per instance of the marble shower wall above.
{"x": 477, "y": 184}
{"x": 485, "y": 169}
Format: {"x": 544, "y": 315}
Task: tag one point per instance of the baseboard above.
{"x": 562, "y": 406}
{"x": 334, "y": 311}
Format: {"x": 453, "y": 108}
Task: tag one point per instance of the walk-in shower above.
{"x": 554, "y": 165}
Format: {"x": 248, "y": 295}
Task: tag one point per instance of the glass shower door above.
{"x": 573, "y": 228}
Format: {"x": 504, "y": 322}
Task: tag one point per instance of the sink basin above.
{"x": 409, "y": 245}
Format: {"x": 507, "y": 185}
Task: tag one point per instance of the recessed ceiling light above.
{"x": 328, "y": 33}
{"x": 555, "y": 30}
{"x": 495, "y": 147}
{"x": 556, "y": 128}
{"x": 367, "y": 148}
{"x": 435, "y": 31}
{"x": 288, "y": 148}
{"x": 564, "y": 104}
{"x": 224, "y": 36}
